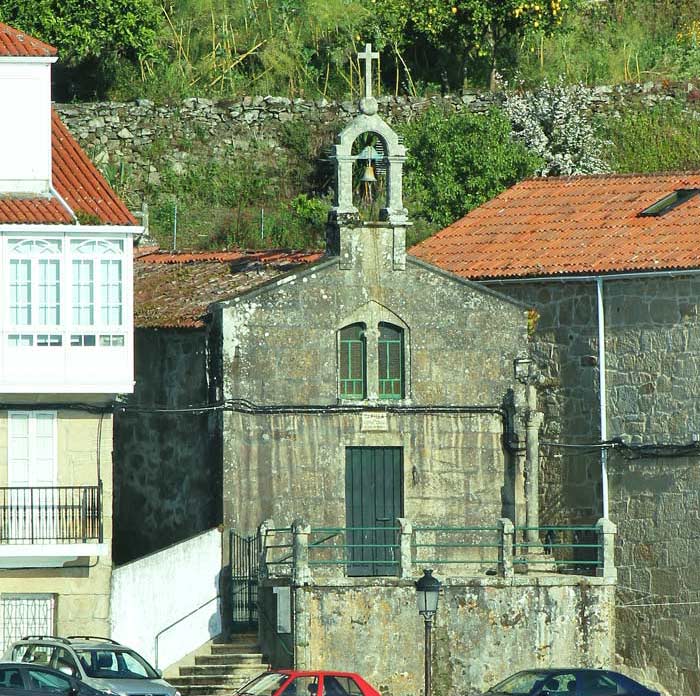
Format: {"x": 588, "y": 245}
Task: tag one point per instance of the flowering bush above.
{"x": 553, "y": 121}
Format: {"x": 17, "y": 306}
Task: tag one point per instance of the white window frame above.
{"x": 32, "y": 436}
{"x": 33, "y": 252}
{"x": 107, "y": 318}
{"x": 103, "y": 255}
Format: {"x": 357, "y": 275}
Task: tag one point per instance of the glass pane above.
{"x": 20, "y": 292}
{"x": 111, "y": 292}
{"x": 49, "y": 292}
{"x": 83, "y": 292}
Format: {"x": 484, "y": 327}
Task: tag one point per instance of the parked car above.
{"x": 569, "y": 682}
{"x": 316, "y": 683}
{"x": 22, "y": 679}
{"x": 100, "y": 663}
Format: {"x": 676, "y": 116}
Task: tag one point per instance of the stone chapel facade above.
{"x": 375, "y": 417}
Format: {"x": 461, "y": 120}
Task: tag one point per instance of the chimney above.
{"x": 25, "y": 113}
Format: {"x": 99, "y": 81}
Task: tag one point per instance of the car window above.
{"x": 598, "y": 685}
{"x": 11, "y": 678}
{"x": 521, "y": 684}
{"x": 20, "y": 652}
{"x": 563, "y": 684}
{"x": 265, "y": 685}
{"x": 302, "y": 686}
{"x": 64, "y": 662}
{"x": 47, "y": 681}
{"x": 115, "y": 664}
{"x": 341, "y": 686}
{"x": 39, "y": 654}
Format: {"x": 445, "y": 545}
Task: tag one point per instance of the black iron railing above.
{"x": 50, "y": 514}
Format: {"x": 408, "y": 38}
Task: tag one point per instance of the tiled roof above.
{"x": 173, "y": 290}
{"x": 77, "y": 181}
{"x": 14, "y": 43}
{"x": 572, "y": 226}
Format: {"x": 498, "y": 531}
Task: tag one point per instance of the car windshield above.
{"x": 264, "y": 685}
{"x": 521, "y": 684}
{"x": 105, "y": 663}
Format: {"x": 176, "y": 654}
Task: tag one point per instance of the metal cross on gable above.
{"x": 368, "y": 55}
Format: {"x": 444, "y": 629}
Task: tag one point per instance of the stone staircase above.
{"x": 222, "y": 670}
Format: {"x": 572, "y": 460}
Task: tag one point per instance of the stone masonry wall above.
{"x": 168, "y": 481}
{"x": 141, "y": 139}
{"x": 280, "y": 347}
{"x": 653, "y": 368}
{"x": 564, "y": 346}
{"x": 485, "y": 629}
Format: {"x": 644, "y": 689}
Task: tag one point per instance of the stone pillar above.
{"x": 301, "y": 573}
{"x": 372, "y": 362}
{"x": 505, "y": 552}
{"x": 405, "y": 557}
{"x": 532, "y": 461}
{"x": 606, "y": 550}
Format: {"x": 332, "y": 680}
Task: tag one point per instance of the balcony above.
{"x": 50, "y": 526}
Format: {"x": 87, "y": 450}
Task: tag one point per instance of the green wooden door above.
{"x": 373, "y": 501}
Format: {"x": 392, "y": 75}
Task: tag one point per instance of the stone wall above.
{"x": 141, "y": 139}
{"x": 653, "y": 368}
{"x": 485, "y": 629}
{"x": 280, "y": 350}
{"x": 168, "y": 477}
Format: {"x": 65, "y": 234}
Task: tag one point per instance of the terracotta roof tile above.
{"x": 173, "y": 290}
{"x": 568, "y": 226}
{"x": 14, "y": 43}
{"x": 77, "y": 181}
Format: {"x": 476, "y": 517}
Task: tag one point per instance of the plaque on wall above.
{"x": 375, "y": 421}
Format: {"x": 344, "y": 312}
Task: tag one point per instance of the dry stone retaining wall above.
{"x": 140, "y": 139}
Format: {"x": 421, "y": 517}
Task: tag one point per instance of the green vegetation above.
{"x": 169, "y": 49}
{"x": 665, "y": 138}
{"x": 459, "y": 161}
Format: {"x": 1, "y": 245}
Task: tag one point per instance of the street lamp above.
{"x": 427, "y": 594}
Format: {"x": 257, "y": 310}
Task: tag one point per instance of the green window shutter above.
{"x": 391, "y": 362}
{"x": 352, "y": 362}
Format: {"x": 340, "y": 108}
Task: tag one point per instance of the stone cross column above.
{"x": 505, "y": 552}
{"x": 300, "y": 553}
{"x": 533, "y": 422}
{"x": 606, "y": 550}
{"x": 405, "y": 559}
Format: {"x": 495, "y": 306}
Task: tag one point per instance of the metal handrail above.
{"x": 175, "y": 623}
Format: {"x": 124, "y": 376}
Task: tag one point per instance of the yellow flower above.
{"x": 454, "y": 10}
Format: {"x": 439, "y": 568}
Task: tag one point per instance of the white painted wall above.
{"x": 25, "y": 125}
{"x": 178, "y": 584}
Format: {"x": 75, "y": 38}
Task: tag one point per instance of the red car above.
{"x": 289, "y": 682}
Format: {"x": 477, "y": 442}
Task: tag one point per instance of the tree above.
{"x": 554, "y": 121}
{"x": 456, "y": 162}
{"x": 481, "y": 28}
{"x": 89, "y": 31}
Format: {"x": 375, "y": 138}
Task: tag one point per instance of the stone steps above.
{"x": 226, "y": 668}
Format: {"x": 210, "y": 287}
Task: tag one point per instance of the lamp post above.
{"x": 427, "y": 594}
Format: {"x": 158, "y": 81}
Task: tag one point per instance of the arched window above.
{"x": 391, "y": 358}
{"x": 353, "y": 370}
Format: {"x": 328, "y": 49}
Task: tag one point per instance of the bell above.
{"x": 368, "y": 177}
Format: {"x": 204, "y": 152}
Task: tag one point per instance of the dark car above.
{"x": 20, "y": 679}
{"x": 569, "y": 682}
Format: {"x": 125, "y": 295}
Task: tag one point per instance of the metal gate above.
{"x": 245, "y": 562}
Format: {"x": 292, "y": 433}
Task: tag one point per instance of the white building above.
{"x": 65, "y": 351}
